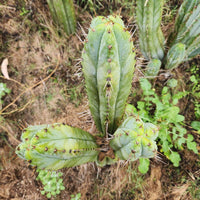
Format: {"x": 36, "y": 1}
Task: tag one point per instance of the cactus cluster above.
{"x": 187, "y": 27}
{"x": 108, "y": 65}
{"x": 148, "y": 16}
{"x": 184, "y": 42}
{"x": 63, "y": 13}
{"x": 57, "y": 146}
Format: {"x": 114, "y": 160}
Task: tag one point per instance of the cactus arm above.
{"x": 153, "y": 68}
{"x": 134, "y": 139}
{"x": 57, "y": 146}
{"x": 70, "y": 15}
{"x": 194, "y": 49}
{"x": 151, "y": 38}
{"x": 64, "y": 14}
{"x": 175, "y": 56}
{"x": 186, "y": 8}
{"x": 187, "y": 28}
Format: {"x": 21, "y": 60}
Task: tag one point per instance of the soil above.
{"x": 47, "y": 86}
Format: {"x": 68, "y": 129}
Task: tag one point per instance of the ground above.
{"x": 47, "y": 86}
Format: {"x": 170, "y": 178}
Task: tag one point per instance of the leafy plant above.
{"x": 3, "y": 91}
{"x": 163, "y": 111}
{"x": 76, "y": 197}
{"x": 63, "y": 13}
{"x": 52, "y": 182}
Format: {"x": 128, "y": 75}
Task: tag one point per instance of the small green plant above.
{"x": 163, "y": 111}
{"x": 3, "y": 91}
{"x": 23, "y": 11}
{"x": 76, "y": 197}
{"x": 52, "y": 182}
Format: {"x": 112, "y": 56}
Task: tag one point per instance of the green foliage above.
{"x": 144, "y": 165}
{"x": 24, "y": 11}
{"x": 163, "y": 111}
{"x": 196, "y": 125}
{"x": 76, "y": 197}
{"x": 52, "y": 182}
{"x": 3, "y": 91}
{"x": 108, "y": 64}
{"x": 63, "y": 13}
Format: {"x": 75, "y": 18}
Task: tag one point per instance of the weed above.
{"x": 52, "y": 182}
{"x": 163, "y": 111}
{"x": 24, "y": 11}
{"x": 76, "y": 196}
{"x": 3, "y": 91}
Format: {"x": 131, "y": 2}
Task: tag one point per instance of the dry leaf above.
{"x": 4, "y": 68}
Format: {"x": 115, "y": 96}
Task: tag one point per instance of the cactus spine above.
{"x": 63, "y": 13}
{"x": 148, "y": 16}
{"x": 57, "y": 146}
{"x": 187, "y": 27}
{"x": 108, "y": 65}
{"x": 175, "y": 56}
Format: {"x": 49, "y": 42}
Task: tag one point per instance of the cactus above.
{"x": 187, "y": 27}
{"x": 153, "y": 68}
{"x": 175, "y": 56}
{"x": 63, "y": 13}
{"x": 135, "y": 139}
{"x": 151, "y": 39}
{"x": 108, "y": 65}
{"x": 57, "y": 146}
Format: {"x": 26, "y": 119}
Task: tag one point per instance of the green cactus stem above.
{"x": 187, "y": 27}
{"x": 57, "y": 146}
{"x": 153, "y": 68}
{"x": 63, "y": 13}
{"x": 175, "y": 56}
{"x": 108, "y": 65}
{"x": 135, "y": 139}
{"x": 148, "y": 17}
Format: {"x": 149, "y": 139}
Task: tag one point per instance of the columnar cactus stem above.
{"x": 108, "y": 65}
{"x": 175, "y": 56}
{"x": 64, "y": 14}
{"x": 149, "y": 15}
{"x": 57, "y": 146}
